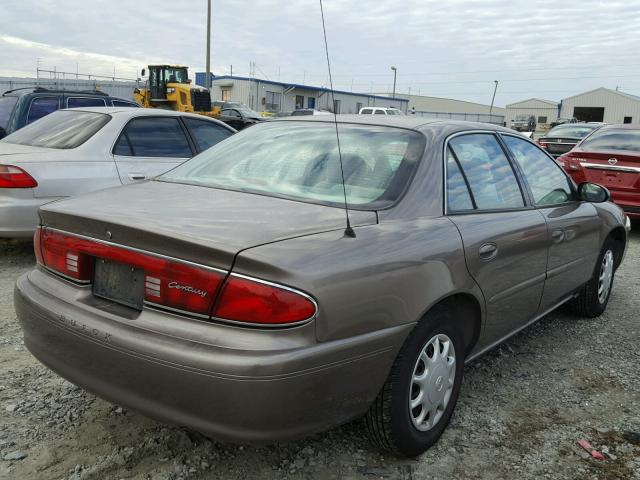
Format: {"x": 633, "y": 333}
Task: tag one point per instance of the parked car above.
{"x": 563, "y": 138}
{"x": 562, "y": 121}
{"x": 22, "y": 106}
{"x": 308, "y": 111}
{"x": 524, "y": 123}
{"x": 227, "y": 295}
{"x": 610, "y": 156}
{"x": 79, "y": 150}
{"x": 380, "y": 111}
{"x": 240, "y": 116}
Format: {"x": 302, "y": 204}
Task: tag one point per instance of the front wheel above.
{"x": 417, "y": 401}
{"x": 593, "y": 298}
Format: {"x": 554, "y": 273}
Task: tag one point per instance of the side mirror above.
{"x": 143, "y": 72}
{"x": 592, "y": 192}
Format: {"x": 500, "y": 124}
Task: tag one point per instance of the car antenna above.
{"x": 349, "y": 232}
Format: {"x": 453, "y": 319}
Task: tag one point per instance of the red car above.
{"x": 610, "y": 157}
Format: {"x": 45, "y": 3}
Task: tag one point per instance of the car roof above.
{"x": 580, "y": 124}
{"x": 137, "y": 112}
{"x": 19, "y": 92}
{"x": 403, "y": 121}
{"x": 621, "y": 126}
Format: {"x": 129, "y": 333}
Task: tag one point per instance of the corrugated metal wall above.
{"x": 117, "y": 88}
{"x": 469, "y": 117}
{"x": 616, "y": 106}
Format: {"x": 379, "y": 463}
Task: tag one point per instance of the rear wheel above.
{"x": 417, "y": 401}
{"x": 593, "y": 298}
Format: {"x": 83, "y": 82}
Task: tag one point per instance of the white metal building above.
{"x": 267, "y": 95}
{"x": 438, "y": 107}
{"x": 602, "y": 105}
{"x": 545, "y": 111}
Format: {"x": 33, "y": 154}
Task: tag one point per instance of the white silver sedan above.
{"x": 79, "y": 150}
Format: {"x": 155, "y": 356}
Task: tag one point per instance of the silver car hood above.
{"x": 201, "y": 224}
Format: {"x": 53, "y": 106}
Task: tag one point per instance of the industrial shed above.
{"x": 438, "y": 107}
{"x": 267, "y": 95}
{"x": 602, "y": 105}
{"x": 545, "y": 111}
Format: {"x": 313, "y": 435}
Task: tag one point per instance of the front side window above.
{"x": 75, "y": 102}
{"x": 380, "y": 112}
{"x": 490, "y": 175}
{"x": 367, "y": 111}
{"x": 40, "y": 107}
{"x": 613, "y": 139}
{"x": 548, "y": 183}
{"x": 62, "y": 129}
{"x": 153, "y": 137}
{"x": 206, "y": 134}
{"x": 231, "y": 113}
{"x": 299, "y": 160}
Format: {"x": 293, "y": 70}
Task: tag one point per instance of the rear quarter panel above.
{"x": 389, "y": 274}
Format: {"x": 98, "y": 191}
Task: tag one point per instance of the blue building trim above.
{"x": 200, "y": 80}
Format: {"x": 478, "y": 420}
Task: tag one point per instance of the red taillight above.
{"x": 250, "y": 301}
{"x": 178, "y": 285}
{"x": 15, "y": 177}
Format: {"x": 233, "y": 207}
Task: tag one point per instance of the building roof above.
{"x": 305, "y": 87}
{"x": 430, "y": 97}
{"x": 551, "y": 103}
{"x": 608, "y": 90}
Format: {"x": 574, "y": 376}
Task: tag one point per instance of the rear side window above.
{"x": 206, "y": 134}
{"x": 613, "y": 139}
{"x": 122, "y": 103}
{"x": 458, "y": 198}
{"x": 548, "y": 183}
{"x": 380, "y": 112}
{"x": 63, "y": 129}
{"x": 6, "y": 107}
{"x": 367, "y": 111}
{"x": 153, "y": 137}
{"x": 491, "y": 178}
{"x": 74, "y": 102}
{"x": 40, "y": 107}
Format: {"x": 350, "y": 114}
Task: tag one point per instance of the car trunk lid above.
{"x": 616, "y": 170}
{"x": 204, "y": 225}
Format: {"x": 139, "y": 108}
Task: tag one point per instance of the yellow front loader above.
{"x": 169, "y": 87}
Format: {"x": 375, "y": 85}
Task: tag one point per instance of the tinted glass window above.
{"x": 206, "y": 134}
{"x": 548, "y": 183}
{"x": 40, "y": 107}
{"x": 367, "y": 111}
{"x": 569, "y": 131}
{"x": 230, "y": 113}
{"x": 458, "y": 197}
{"x": 157, "y": 137}
{"x": 122, "y": 103}
{"x": 74, "y": 102}
{"x": 613, "y": 139}
{"x": 6, "y": 107}
{"x": 300, "y": 160}
{"x": 380, "y": 112}
{"x": 491, "y": 178}
{"x": 122, "y": 147}
{"x": 63, "y": 129}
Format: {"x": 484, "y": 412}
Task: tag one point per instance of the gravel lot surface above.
{"x": 522, "y": 409}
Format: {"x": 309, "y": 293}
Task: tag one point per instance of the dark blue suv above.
{"x": 25, "y": 105}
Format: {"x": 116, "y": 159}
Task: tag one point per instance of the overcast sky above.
{"x": 449, "y": 48}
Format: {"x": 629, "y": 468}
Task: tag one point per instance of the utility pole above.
{"x": 232, "y": 70}
{"x": 395, "y": 71}
{"x": 495, "y": 88}
{"x": 207, "y": 82}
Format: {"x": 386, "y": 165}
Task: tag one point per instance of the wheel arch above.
{"x": 619, "y": 237}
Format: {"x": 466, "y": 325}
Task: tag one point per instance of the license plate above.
{"x": 119, "y": 282}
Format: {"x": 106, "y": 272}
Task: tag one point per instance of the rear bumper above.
{"x": 250, "y": 394}
{"x": 19, "y": 213}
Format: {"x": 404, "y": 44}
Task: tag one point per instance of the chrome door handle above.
{"x": 136, "y": 176}
{"x": 488, "y": 251}
{"x": 558, "y": 236}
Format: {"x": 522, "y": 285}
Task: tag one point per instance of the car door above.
{"x": 573, "y": 226}
{"x": 206, "y": 133}
{"x": 149, "y": 146}
{"x": 504, "y": 237}
{"x": 232, "y": 117}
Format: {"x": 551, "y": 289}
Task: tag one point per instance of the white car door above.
{"x": 149, "y": 146}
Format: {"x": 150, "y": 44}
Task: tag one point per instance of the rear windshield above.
{"x": 61, "y": 129}
{"x": 570, "y": 131}
{"x": 613, "y": 139}
{"x": 6, "y": 107}
{"x": 299, "y": 160}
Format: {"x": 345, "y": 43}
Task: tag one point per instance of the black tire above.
{"x": 588, "y": 302}
{"x": 389, "y": 421}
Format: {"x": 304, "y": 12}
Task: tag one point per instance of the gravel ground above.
{"x": 522, "y": 409}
